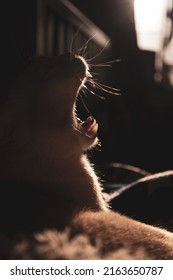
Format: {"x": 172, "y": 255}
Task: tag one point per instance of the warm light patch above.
{"x": 149, "y": 22}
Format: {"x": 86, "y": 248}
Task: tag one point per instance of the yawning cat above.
{"x": 42, "y": 152}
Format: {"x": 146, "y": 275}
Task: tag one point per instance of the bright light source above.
{"x": 149, "y": 22}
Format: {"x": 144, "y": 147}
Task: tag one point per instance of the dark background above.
{"x": 137, "y": 126}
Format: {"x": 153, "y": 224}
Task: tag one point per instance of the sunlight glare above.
{"x": 149, "y": 23}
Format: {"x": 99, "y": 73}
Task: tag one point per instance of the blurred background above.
{"x": 134, "y": 127}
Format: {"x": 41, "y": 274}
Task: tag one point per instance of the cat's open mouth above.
{"x": 89, "y": 127}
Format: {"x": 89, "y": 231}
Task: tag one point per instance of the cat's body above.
{"x": 42, "y": 143}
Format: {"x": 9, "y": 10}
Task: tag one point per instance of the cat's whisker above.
{"x": 86, "y": 108}
{"x": 82, "y": 49}
{"x": 91, "y": 82}
{"x": 108, "y": 87}
{"x": 74, "y": 37}
{"x": 110, "y": 61}
{"x": 92, "y": 92}
{"x": 105, "y": 88}
{"x": 71, "y": 44}
{"x": 100, "y": 65}
{"x": 99, "y": 53}
{"x": 104, "y": 64}
{"x": 83, "y": 89}
{"x": 94, "y": 73}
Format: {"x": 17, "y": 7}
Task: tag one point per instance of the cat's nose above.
{"x": 80, "y": 66}
{"x": 74, "y": 63}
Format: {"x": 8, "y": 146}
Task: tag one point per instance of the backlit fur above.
{"x": 43, "y": 143}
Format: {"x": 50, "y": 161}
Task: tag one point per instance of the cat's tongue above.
{"x": 90, "y": 127}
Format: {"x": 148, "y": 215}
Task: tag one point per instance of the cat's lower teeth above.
{"x": 80, "y": 121}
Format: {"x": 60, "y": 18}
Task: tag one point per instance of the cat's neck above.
{"x": 71, "y": 176}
